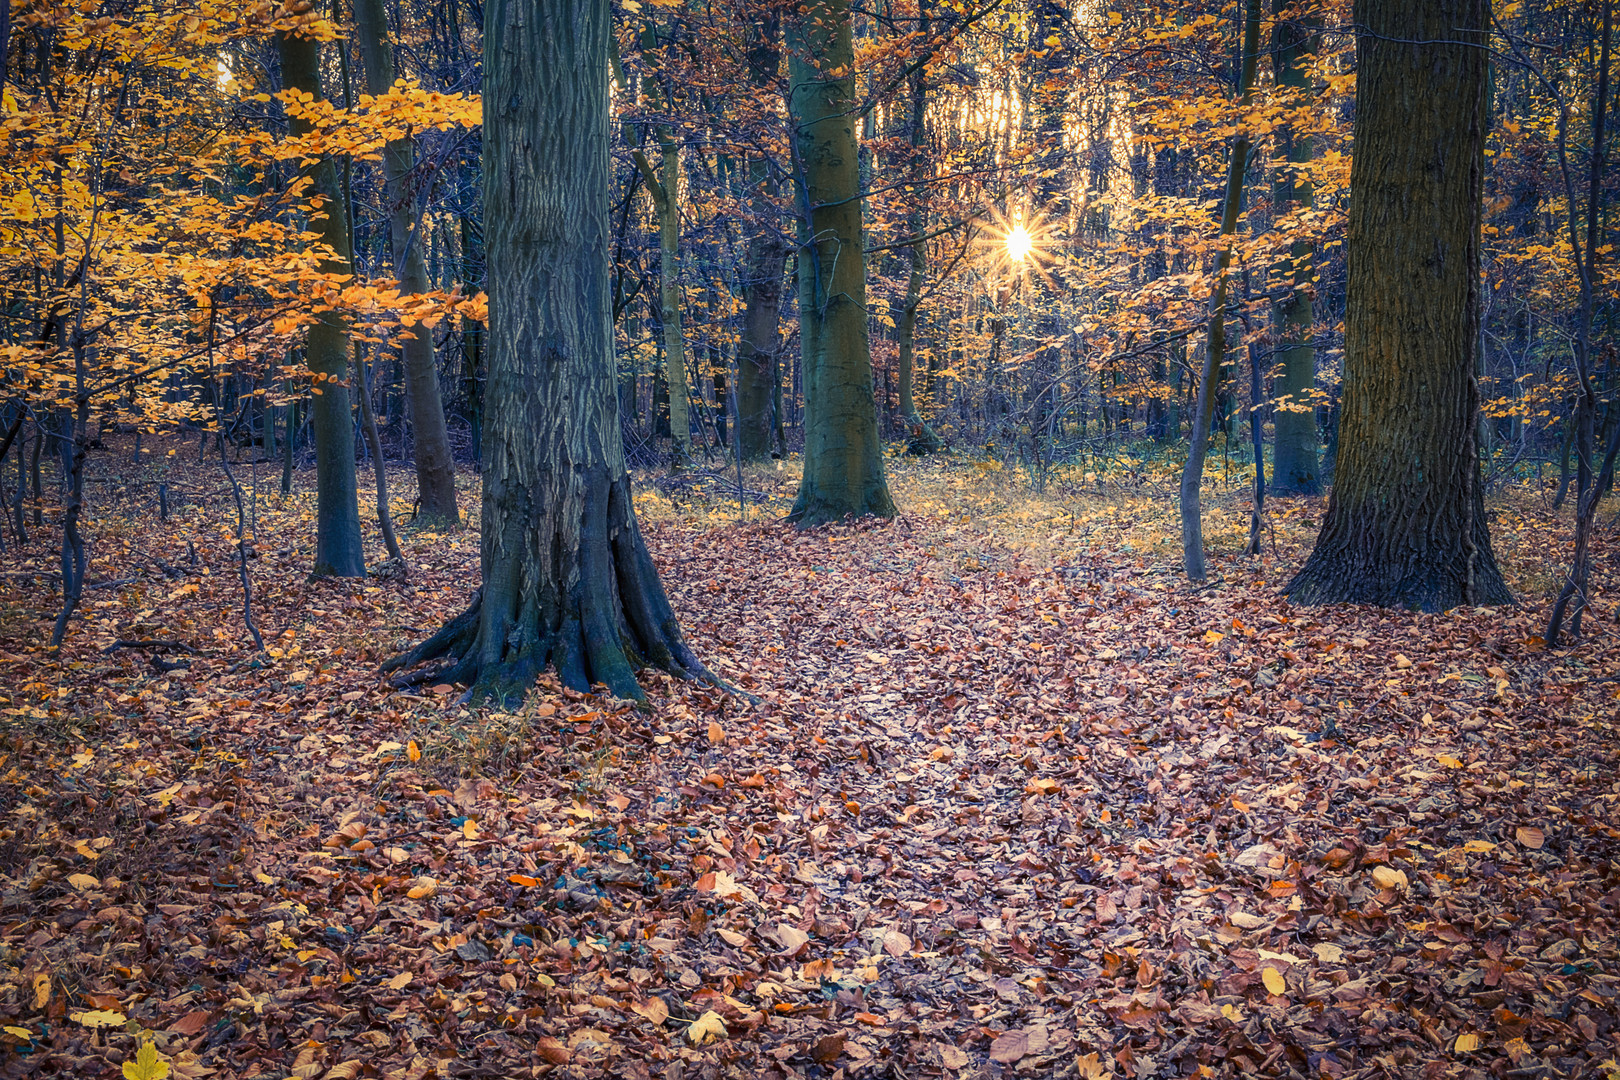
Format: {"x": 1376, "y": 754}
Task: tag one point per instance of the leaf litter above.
{"x": 989, "y": 810}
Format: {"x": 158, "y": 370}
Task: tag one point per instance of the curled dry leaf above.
{"x": 706, "y": 1028}
{"x": 1387, "y": 877}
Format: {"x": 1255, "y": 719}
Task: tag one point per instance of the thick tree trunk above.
{"x": 430, "y": 440}
{"x": 843, "y": 459}
{"x": 1406, "y": 521}
{"x": 1295, "y": 453}
{"x": 567, "y": 580}
{"x": 338, "y": 552}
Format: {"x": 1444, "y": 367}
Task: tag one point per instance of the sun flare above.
{"x": 1019, "y": 243}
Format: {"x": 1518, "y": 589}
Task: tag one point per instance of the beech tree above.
{"x": 843, "y": 458}
{"x": 435, "y": 467}
{"x": 338, "y": 552}
{"x": 1406, "y": 523}
{"x": 567, "y": 580}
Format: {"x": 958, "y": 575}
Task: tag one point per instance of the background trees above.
{"x": 1103, "y": 136}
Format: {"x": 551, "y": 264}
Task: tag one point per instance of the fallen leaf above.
{"x": 552, "y": 1050}
{"x": 828, "y": 1049}
{"x": 98, "y": 1018}
{"x": 83, "y": 882}
{"x": 1275, "y": 983}
{"x": 653, "y": 1009}
{"x": 192, "y": 1022}
{"x": 1530, "y": 836}
{"x": 1388, "y": 877}
{"x": 717, "y": 734}
{"x": 1466, "y": 1042}
{"x": 706, "y": 1028}
{"x": 952, "y": 1057}
{"x": 1327, "y": 952}
{"x": 896, "y": 944}
{"x": 148, "y": 1064}
{"x": 1009, "y": 1046}
{"x": 792, "y": 938}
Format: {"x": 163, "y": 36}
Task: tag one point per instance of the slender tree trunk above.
{"x": 1587, "y": 494}
{"x": 665, "y": 191}
{"x": 1192, "y": 476}
{"x": 843, "y": 458}
{"x": 567, "y": 579}
{"x": 1406, "y": 523}
{"x": 338, "y": 552}
{"x": 385, "y": 517}
{"x": 435, "y": 468}
{"x": 758, "y": 353}
{"x": 1295, "y": 465}
{"x": 921, "y": 438}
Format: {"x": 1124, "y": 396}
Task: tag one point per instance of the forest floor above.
{"x": 1013, "y": 800}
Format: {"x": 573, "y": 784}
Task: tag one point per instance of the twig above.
{"x": 150, "y": 643}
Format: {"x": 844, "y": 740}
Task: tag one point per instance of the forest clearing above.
{"x": 1014, "y": 799}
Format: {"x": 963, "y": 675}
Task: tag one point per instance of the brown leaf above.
{"x": 828, "y": 1049}
{"x": 192, "y": 1022}
{"x": 896, "y": 944}
{"x": 1009, "y": 1046}
{"x": 1530, "y": 836}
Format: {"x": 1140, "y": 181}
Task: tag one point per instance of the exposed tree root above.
{"x": 594, "y": 610}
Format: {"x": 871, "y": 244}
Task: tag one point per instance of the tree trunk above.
{"x": 338, "y": 552}
{"x": 665, "y": 192}
{"x": 921, "y": 438}
{"x": 759, "y": 352}
{"x": 1192, "y": 475}
{"x": 1406, "y": 521}
{"x": 1295, "y": 465}
{"x": 843, "y": 459}
{"x": 567, "y": 579}
{"x": 435, "y": 468}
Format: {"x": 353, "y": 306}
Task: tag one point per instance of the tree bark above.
{"x": 430, "y": 440}
{"x": 567, "y": 579}
{"x": 759, "y": 353}
{"x": 665, "y": 190}
{"x": 1406, "y": 521}
{"x": 1295, "y": 450}
{"x": 843, "y": 459}
{"x": 338, "y": 551}
{"x": 1192, "y": 475}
